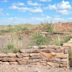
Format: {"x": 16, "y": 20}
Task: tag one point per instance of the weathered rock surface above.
{"x": 50, "y": 56}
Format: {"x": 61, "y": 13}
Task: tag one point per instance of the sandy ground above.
{"x": 29, "y": 68}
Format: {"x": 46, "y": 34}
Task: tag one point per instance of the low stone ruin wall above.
{"x": 50, "y": 56}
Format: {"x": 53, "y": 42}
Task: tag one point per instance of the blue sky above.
{"x": 34, "y": 11}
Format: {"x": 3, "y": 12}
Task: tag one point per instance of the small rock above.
{"x": 35, "y": 47}
{"x": 11, "y": 54}
{"x": 5, "y": 63}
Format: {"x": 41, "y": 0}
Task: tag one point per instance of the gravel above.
{"x": 29, "y": 68}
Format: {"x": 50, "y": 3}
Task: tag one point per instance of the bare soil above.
{"x": 29, "y": 68}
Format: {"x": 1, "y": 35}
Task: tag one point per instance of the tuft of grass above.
{"x": 59, "y": 40}
{"x": 67, "y": 38}
{"x": 10, "y": 48}
{"x": 49, "y": 28}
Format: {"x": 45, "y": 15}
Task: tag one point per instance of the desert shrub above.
{"x": 19, "y": 36}
{"x": 10, "y": 48}
{"x": 58, "y": 40}
{"x": 67, "y": 38}
{"x": 38, "y": 39}
{"x": 49, "y": 28}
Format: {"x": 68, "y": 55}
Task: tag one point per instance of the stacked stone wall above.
{"x": 50, "y": 56}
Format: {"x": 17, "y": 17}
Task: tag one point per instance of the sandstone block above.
{"x": 22, "y": 62}
{"x": 35, "y": 56}
{"x": 6, "y": 59}
{"x": 32, "y": 50}
{"x": 61, "y": 55}
{"x": 11, "y": 54}
{"x": 2, "y": 55}
{"x": 51, "y": 64}
{"x": 5, "y": 63}
{"x": 13, "y": 63}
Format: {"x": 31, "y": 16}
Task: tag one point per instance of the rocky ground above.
{"x": 29, "y": 68}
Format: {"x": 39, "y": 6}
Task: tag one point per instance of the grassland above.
{"x": 13, "y": 37}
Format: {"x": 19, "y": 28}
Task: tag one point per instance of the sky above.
{"x": 34, "y": 11}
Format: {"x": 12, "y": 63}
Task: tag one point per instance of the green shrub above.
{"x": 67, "y": 38}
{"x": 10, "y": 48}
{"x": 39, "y": 39}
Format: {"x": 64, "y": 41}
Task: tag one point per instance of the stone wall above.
{"x": 50, "y": 56}
{"x": 69, "y": 44}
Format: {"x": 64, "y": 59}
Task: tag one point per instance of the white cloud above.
{"x": 45, "y": 0}
{"x": 52, "y": 7}
{"x": 48, "y": 17}
{"x": 17, "y": 5}
{"x": 1, "y": 11}
{"x": 22, "y": 7}
{"x": 7, "y": 14}
{"x": 63, "y": 7}
{"x": 3, "y": 0}
{"x": 33, "y": 3}
{"x": 41, "y": 18}
{"x": 21, "y": 4}
{"x": 64, "y": 12}
{"x": 35, "y": 10}
{"x": 69, "y": 19}
{"x": 13, "y": 7}
{"x": 55, "y": 19}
